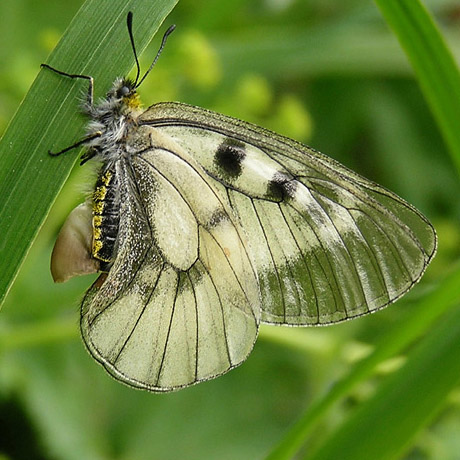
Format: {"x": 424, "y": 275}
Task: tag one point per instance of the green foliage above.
{"x": 406, "y": 402}
{"x": 328, "y": 72}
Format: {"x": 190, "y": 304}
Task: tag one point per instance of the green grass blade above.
{"x": 384, "y": 427}
{"x": 433, "y": 64}
{"x": 443, "y": 297}
{"x": 96, "y": 43}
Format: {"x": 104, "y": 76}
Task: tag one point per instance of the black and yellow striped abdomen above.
{"x": 106, "y": 216}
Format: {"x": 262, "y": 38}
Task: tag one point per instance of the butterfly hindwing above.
{"x": 327, "y": 244}
{"x": 180, "y": 303}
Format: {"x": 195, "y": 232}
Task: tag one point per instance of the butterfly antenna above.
{"x": 163, "y": 43}
{"x": 129, "y": 21}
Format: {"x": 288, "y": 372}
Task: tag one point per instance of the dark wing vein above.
{"x": 224, "y": 326}
{"x": 271, "y": 256}
{"x": 304, "y": 259}
{"x": 196, "y": 325}
{"x": 147, "y": 301}
{"x": 173, "y": 309}
{"x": 344, "y": 247}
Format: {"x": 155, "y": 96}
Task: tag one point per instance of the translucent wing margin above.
{"x": 326, "y": 243}
{"x": 180, "y": 304}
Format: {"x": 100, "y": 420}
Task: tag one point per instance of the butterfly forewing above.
{"x": 326, "y": 243}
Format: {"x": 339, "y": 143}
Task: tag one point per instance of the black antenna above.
{"x": 129, "y": 22}
{"x": 163, "y": 43}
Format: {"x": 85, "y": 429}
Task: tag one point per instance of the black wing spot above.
{"x": 217, "y": 217}
{"x": 229, "y": 157}
{"x": 282, "y": 186}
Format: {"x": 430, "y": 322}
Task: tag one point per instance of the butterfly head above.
{"x": 124, "y": 93}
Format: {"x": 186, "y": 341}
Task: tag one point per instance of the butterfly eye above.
{"x": 123, "y": 91}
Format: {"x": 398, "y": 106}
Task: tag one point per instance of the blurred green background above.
{"x": 326, "y": 72}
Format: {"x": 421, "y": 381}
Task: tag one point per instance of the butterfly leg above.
{"x": 89, "y": 97}
{"x": 83, "y": 141}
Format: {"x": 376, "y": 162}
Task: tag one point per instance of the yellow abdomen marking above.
{"x": 99, "y": 196}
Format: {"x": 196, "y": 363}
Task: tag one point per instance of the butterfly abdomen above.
{"x": 106, "y": 215}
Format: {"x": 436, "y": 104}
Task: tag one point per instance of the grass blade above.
{"x": 96, "y": 43}
{"x": 432, "y": 62}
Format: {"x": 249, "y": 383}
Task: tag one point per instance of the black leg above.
{"x": 89, "y": 97}
{"x": 77, "y": 144}
{"x": 91, "y": 153}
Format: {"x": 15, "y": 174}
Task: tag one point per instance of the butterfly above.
{"x": 204, "y": 226}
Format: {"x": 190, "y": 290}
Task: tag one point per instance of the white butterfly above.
{"x": 205, "y": 226}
